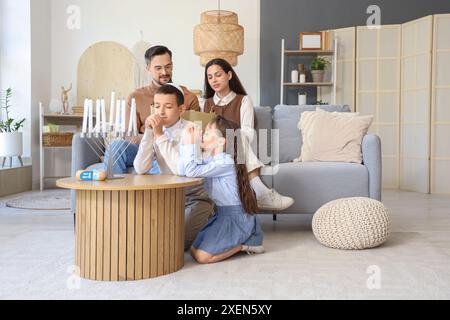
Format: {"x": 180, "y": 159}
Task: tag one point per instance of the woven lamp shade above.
{"x": 219, "y": 36}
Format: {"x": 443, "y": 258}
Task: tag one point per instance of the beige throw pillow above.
{"x": 333, "y": 136}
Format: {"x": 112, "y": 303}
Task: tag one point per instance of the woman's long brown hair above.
{"x": 246, "y": 193}
{"x": 235, "y": 83}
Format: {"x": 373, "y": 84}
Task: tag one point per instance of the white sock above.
{"x": 259, "y": 187}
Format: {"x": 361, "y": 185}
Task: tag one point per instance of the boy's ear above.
{"x": 182, "y": 108}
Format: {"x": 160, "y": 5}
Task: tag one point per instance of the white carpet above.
{"x": 56, "y": 199}
{"x": 36, "y": 251}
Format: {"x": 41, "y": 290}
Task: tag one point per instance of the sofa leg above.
{"x": 274, "y": 217}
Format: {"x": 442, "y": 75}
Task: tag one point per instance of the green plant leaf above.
{"x": 9, "y": 125}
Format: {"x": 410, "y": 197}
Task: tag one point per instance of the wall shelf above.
{"x": 309, "y": 52}
{"x": 63, "y": 151}
{"x": 309, "y": 84}
{"x": 312, "y": 53}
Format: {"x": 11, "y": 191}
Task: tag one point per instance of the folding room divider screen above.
{"x": 401, "y": 75}
{"x": 440, "y": 110}
{"x": 345, "y": 69}
{"x": 415, "y": 106}
{"x": 378, "y": 91}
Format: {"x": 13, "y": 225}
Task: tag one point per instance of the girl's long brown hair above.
{"x": 246, "y": 193}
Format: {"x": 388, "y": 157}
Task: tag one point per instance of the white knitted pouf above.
{"x": 352, "y": 223}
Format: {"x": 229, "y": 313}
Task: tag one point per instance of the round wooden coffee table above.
{"x": 131, "y": 228}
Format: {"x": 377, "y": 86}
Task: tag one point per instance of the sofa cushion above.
{"x": 333, "y": 136}
{"x": 286, "y": 118}
{"x": 312, "y": 184}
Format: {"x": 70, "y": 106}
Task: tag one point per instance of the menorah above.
{"x": 101, "y": 138}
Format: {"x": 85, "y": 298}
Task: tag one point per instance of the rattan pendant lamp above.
{"x": 218, "y": 36}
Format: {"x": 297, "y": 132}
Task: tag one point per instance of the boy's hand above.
{"x": 154, "y": 122}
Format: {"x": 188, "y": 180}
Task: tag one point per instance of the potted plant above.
{"x": 10, "y": 137}
{"x": 318, "y": 66}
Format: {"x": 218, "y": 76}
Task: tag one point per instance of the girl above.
{"x": 234, "y": 227}
{"x": 226, "y": 96}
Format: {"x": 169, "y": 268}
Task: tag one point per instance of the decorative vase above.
{"x": 11, "y": 144}
{"x": 302, "y": 73}
{"x": 302, "y": 99}
{"x": 317, "y": 75}
{"x": 294, "y": 76}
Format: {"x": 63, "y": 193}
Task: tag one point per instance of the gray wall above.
{"x": 286, "y": 18}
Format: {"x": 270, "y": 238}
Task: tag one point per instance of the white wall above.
{"x": 40, "y": 72}
{"x": 170, "y": 23}
{"x": 15, "y": 61}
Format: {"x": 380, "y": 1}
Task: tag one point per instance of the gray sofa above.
{"x": 311, "y": 184}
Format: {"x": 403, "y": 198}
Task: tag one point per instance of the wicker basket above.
{"x": 60, "y": 139}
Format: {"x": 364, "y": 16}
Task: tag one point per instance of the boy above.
{"x": 161, "y": 140}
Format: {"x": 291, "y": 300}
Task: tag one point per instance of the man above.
{"x": 161, "y": 140}
{"x": 159, "y": 67}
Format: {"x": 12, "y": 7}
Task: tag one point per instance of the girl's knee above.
{"x": 202, "y": 257}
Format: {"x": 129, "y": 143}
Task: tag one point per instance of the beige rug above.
{"x": 56, "y": 199}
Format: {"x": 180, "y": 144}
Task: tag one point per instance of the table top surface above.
{"x": 131, "y": 182}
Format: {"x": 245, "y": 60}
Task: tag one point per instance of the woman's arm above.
{"x": 247, "y": 118}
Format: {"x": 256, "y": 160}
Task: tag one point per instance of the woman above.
{"x": 225, "y": 95}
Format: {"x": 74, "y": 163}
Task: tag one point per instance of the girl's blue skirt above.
{"x": 229, "y": 227}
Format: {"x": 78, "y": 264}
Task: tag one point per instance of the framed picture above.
{"x": 310, "y": 40}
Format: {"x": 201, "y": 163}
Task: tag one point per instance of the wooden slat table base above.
{"x": 129, "y": 235}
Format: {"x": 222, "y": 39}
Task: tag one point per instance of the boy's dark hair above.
{"x": 169, "y": 89}
{"x": 156, "y": 51}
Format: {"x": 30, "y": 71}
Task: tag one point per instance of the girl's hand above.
{"x": 188, "y": 135}
{"x": 192, "y": 135}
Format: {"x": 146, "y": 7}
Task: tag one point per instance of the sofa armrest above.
{"x": 371, "y": 150}
{"x": 82, "y": 157}
{"x": 82, "y": 154}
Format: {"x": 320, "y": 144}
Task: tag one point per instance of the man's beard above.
{"x": 158, "y": 82}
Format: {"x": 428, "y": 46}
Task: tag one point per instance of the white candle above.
{"x": 122, "y": 127}
{"x": 103, "y": 107}
{"x": 132, "y": 116}
{"x": 111, "y": 109}
{"x": 97, "y": 116}
{"x": 117, "y": 124}
{"x": 135, "y": 132}
{"x": 85, "y": 115}
{"x": 90, "y": 111}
